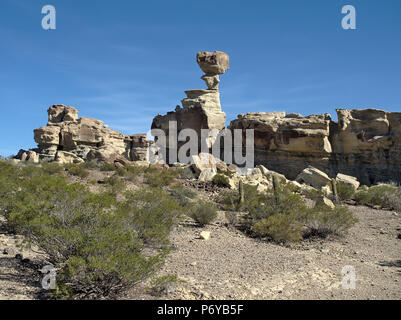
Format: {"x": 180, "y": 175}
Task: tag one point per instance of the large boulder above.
{"x": 314, "y": 177}
{"x": 64, "y": 157}
{"x": 213, "y": 63}
{"x": 348, "y": 180}
{"x": 207, "y": 174}
{"x": 204, "y": 161}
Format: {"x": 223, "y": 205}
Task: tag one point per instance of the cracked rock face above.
{"x": 201, "y": 109}
{"x": 67, "y": 139}
{"x": 365, "y": 143}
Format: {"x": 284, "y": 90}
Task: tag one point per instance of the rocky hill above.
{"x": 365, "y": 143}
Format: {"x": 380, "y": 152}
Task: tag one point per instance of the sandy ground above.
{"x": 230, "y": 265}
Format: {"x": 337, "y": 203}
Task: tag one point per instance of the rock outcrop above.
{"x": 288, "y": 143}
{"x": 201, "y": 108}
{"x": 364, "y": 143}
{"x": 69, "y": 139}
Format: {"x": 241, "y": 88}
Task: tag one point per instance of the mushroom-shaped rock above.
{"x": 213, "y": 63}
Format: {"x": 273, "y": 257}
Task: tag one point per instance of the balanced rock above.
{"x": 213, "y": 63}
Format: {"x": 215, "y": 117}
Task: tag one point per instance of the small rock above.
{"x": 8, "y": 251}
{"x": 205, "y": 235}
{"x": 18, "y": 256}
{"x": 399, "y": 236}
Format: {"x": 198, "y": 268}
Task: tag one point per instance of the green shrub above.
{"x": 232, "y": 218}
{"x": 345, "y": 191}
{"x": 77, "y": 170}
{"x": 98, "y": 246}
{"x": 115, "y": 183}
{"x": 92, "y": 164}
{"x": 52, "y": 168}
{"x": 322, "y": 221}
{"x": 383, "y": 195}
{"x": 284, "y": 216}
{"x": 221, "y": 180}
{"x": 186, "y": 173}
{"x": 159, "y": 178}
{"x": 280, "y": 227}
{"x": 163, "y": 285}
{"x": 152, "y": 213}
{"x": 203, "y": 213}
{"x": 106, "y": 166}
{"x": 182, "y": 195}
{"x": 228, "y": 200}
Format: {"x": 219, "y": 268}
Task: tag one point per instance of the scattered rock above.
{"x": 314, "y": 177}
{"x": 205, "y": 235}
{"x": 323, "y": 201}
{"x": 348, "y": 180}
{"x": 207, "y": 174}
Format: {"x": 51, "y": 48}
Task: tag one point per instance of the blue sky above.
{"x": 126, "y": 61}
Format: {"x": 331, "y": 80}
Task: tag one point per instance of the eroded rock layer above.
{"x": 67, "y": 138}
{"x": 365, "y": 143}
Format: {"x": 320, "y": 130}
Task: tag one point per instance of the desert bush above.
{"x": 383, "y": 195}
{"x": 98, "y": 246}
{"x": 323, "y": 221}
{"x": 92, "y": 164}
{"x": 312, "y": 193}
{"x": 76, "y": 170}
{"x": 131, "y": 173}
{"x": 345, "y": 191}
{"x": 232, "y": 218}
{"x": 203, "y": 212}
{"x": 282, "y": 215}
{"x": 182, "y": 195}
{"x": 163, "y": 285}
{"x": 280, "y": 227}
{"x": 116, "y": 185}
{"x": 152, "y": 213}
{"x": 221, "y": 180}
{"x": 186, "y": 173}
{"x": 52, "y": 168}
{"x": 229, "y": 200}
{"x": 160, "y": 178}
{"x": 106, "y": 166}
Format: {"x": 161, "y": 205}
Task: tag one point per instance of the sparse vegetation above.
{"x": 221, "y": 180}
{"x": 281, "y": 215}
{"x": 99, "y": 247}
{"x": 160, "y": 178}
{"x": 203, "y": 212}
{"x": 76, "y": 170}
{"x": 106, "y": 166}
{"x": 345, "y": 191}
{"x": 182, "y": 195}
{"x": 162, "y": 286}
{"x": 383, "y": 195}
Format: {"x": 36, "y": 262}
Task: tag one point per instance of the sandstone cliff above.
{"x": 364, "y": 143}
{"x": 67, "y": 138}
{"x": 201, "y": 108}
